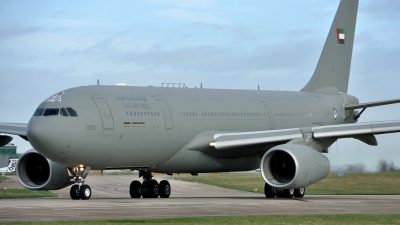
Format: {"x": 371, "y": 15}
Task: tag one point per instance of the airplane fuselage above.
{"x": 149, "y": 127}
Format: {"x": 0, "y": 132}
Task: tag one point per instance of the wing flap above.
{"x": 240, "y": 139}
{"x": 341, "y": 131}
{"x": 363, "y": 131}
{"x": 349, "y": 130}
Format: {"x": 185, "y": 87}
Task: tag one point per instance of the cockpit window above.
{"x": 51, "y": 112}
{"x": 72, "y": 112}
{"x": 38, "y": 112}
{"x": 63, "y": 112}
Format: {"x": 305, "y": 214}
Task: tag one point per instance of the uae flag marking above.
{"x": 340, "y": 35}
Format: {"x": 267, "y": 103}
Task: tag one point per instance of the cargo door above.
{"x": 271, "y": 119}
{"x": 169, "y": 123}
{"x": 105, "y": 113}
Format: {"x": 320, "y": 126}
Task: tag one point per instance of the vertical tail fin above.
{"x": 11, "y": 166}
{"x": 333, "y": 69}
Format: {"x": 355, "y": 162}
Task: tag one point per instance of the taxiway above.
{"x": 110, "y": 200}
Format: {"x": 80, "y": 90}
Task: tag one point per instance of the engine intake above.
{"x": 292, "y": 166}
{"x": 36, "y": 172}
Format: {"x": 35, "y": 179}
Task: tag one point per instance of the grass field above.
{"x": 387, "y": 183}
{"x": 3, "y": 178}
{"x": 243, "y": 220}
{"x": 22, "y": 193}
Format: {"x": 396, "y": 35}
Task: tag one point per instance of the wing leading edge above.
{"x": 225, "y": 141}
{"x": 14, "y": 128}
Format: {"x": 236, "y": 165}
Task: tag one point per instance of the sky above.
{"x": 49, "y": 46}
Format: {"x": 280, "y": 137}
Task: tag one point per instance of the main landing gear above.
{"x": 271, "y": 192}
{"x": 79, "y": 190}
{"x": 149, "y": 188}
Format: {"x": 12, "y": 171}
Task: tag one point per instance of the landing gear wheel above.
{"x": 74, "y": 192}
{"x": 152, "y": 189}
{"x": 165, "y": 189}
{"x": 269, "y": 191}
{"x": 144, "y": 189}
{"x": 134, "y": 189}
{"x": 288, "y": 193}
{"x": 299, "y": 193}
{"x": 279, "y": 193}
{"x": 85, "y": 192}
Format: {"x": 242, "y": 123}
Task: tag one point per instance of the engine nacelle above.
{"x": 292, "y": 166}
{"x": 36, "y": 172}
{"x": 4, "y": 139}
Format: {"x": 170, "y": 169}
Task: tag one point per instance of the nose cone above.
{"x": 42, "y": 134}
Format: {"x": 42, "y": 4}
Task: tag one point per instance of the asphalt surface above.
{"x": 111, "y": 200}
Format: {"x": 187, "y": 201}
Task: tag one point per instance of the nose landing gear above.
{"x": 79, "y": 190}
{"x": 149, "y": 188}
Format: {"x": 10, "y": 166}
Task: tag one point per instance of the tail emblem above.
{"x": 340, "y": 35}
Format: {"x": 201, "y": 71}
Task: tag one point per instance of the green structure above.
{"x": 9, "y": 150}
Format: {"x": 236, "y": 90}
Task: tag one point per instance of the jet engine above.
{"x": 292, "y": 166}
{"x": 4, "y": 139}
{"x": 36, "y": 172}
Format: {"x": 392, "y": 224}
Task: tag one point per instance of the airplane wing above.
{"x": 223, "y": 141}
{"x": 14, "y": 128}
{"x": 366, "y": 105}
{"x": 371, "y": 104}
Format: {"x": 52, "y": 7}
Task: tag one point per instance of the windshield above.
{"x": 51, "y": 112}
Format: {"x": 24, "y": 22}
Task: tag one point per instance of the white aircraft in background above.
{"x": 10, "y": 168}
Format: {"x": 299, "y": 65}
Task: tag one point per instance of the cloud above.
{"x": 286, "y": 57}
{"x": 191, "y": 16}
{"x": 19, "y": 31}
{"x": 382, "y": 9}
{"x": 58, "y": 13}
{"x": 57, "y": 23}
{"x": 185, "y": 3}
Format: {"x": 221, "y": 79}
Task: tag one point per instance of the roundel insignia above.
{"x": 334, "y": 113}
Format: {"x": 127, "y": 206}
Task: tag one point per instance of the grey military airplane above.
{"x": 180, "y": 130}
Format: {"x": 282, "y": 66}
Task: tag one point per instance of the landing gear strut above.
{"x": 271, "y": 192}
{"x": 79, "y": 190}
{"x": 149, "y": 188}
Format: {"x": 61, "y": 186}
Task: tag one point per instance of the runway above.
{"x": 111, "y": 200}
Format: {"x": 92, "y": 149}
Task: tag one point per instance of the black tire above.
{"x": 269, "y": 191}
{"x": 299, "y": 193}
{"x": 153, "y": 189}
{"x": 74, "y": 192}
{"x": 85, "y": 192}
{"x": 288, "y": 193}
{"x": 279, "y": 193}
{"x": 144, "y": 189}
{"x": 165, "y": 189}
{"x": 134, "y": 189}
